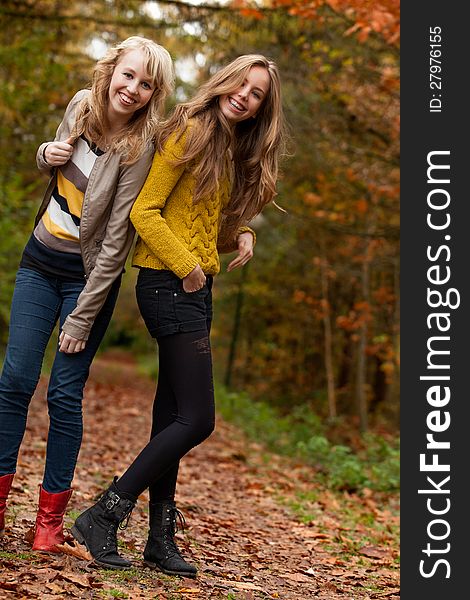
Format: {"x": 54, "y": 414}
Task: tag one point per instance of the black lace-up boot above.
{"x": 161, "y": 551}
{"x": 97, "y": 527}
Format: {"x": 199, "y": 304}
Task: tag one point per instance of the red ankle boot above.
{"x": 48, "y": 531}
{"x": 5, "y": 485}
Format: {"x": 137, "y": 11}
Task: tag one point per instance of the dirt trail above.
{"x": 240, "y": 533}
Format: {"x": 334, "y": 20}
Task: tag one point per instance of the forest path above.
{"x": 245, "y": 541}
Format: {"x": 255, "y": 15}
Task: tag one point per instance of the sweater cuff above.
{"x": 185, "y": 268}
{"x": 244, "y": 229}
{"x": 74, "y": 330}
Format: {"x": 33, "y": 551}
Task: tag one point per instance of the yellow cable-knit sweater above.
{"x": 173, "y": 232}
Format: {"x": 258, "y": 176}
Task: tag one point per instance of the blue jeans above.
{"x": 38, "y": 302}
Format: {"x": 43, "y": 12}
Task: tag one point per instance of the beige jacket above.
{"x": 106, "y": 233}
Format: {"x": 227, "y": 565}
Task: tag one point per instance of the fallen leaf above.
{"x": 76, "y": 578}
{"x": 8, "y": 585}
{"x": 373, "y": 552}
{"x": 75, "y": 549}
{"x": 338, "y": 572}
{"x": 297, "y": 577}
{"x": 244, "y": 585}
{"x": 55, "y": 588}
{"x": 29, "y": 535}
{"x": 311, "y": 533}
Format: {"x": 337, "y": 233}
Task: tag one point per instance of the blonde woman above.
{"x": 71, "y": 266}
{"x": 215, "y": 169}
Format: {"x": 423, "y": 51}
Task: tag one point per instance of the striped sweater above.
{"x": 59, "y": 227}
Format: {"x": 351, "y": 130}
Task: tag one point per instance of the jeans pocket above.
{"x": 157, "y": 307}
{"x": 191, "y": 306}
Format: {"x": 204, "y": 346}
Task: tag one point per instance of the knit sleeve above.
{"x": 244, "y": 229}
{"x": 146, "y": 214}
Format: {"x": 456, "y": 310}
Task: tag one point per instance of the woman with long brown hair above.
{"x": 215, "y": 168}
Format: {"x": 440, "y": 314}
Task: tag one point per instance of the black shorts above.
{"x": 166, "y": 308}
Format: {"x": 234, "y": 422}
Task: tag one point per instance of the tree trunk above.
{"x": 328, "y": 339}
{"x": 361, "y": 375}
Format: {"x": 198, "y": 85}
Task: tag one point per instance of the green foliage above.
{"x": 303, "y": 435}
{"x": 15, "y": 207}
{"x": 31, "y": 556}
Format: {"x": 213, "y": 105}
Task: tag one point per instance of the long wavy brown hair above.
{"x": 92, "y": 113}
{"x": 254, "y": 145}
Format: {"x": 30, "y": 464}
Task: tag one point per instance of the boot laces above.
{"x": 175, "y": 517}
{"x": 111, "y": 540}
{"x": 124, "y": 522}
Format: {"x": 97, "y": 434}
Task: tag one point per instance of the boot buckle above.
{"x": 112, "y": 500}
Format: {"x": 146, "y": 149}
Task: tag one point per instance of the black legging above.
{"x": 183, "y": 414}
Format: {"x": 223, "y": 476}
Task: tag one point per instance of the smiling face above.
{"x": 246, "y": 100}
{"x": 130, "y": 88}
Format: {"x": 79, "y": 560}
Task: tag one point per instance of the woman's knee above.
{"x": 202, "y": 429}
{"x": 18, "y": 384}
{"x": 67, "y": 422}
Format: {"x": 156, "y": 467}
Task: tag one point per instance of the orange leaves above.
{"x": 75, "y": 549}
{"x": 347, "y": 322}
{"x": 355, "y": 319}
{"x": 382, "y": 17}
{"x": 384, "y": 295}
{"x": 318, "y": 205}
{"x": 368, "y": 17}
{"x": 362, "y": 205}
{"x": 247, "y": 9}
{"x": 251, "y": 13}
{"x": 312, "y": 199}
{"x": 301, "y": 296}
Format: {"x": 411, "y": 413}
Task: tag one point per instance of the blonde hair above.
{"x": 255, "y": 144}
{"x": 139, "y": 131}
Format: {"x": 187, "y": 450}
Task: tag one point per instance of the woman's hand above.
{"x": 195, "y": 280}
{"x": 69, "y": 344}
{"x": 58, "y": 153}
{"x": 245, "y": 250}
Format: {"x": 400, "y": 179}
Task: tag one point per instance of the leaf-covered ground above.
{"x": 258, "y": 526}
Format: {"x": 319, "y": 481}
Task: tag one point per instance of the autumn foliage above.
{"x": 366, "y": 16}
{"x": 314, "y": 319}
